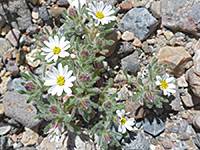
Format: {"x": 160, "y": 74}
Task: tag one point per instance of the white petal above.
{"x": 51, "y": 75}
{"x": 50, "y": 82}
{"x": 61, "y": 88}
{"x": 45, "y": 49}
{"x": 165, "y": 76}
{"x": 55, "y": 58}
{"x": 96, "y": 22}
{"x": 68, "y": 74}
{"x": 71, "y": 79}
{"x": 51, "y": 89}
{"x": 120, "y": 128}
{"x": 128, "y": 127}
{"x": 56, "y": 40}
{"x": 106, "y": 14}
{"x": 55, "y": 71}
{"x": 51, "y": 46}
{"x": 171, "y": 90}
{"x": 51, "y": 40}
{"x": 158, "y": 83}
{"x": 60, "y": 69}
{"x": 171, "y": 86}
{"x": 170, "y": 80}
{"x": 165, "y": 92}
{"x": 65, "y": 45}
{"x": 158, "y": 78}
{"x": 123, "y": 129}
{"x": 67, "y": 90}
{"x": 107, "y": 9}
{"x": 49, "y": 56}
{"x": 62, "y": 40}
{"x": 130, "y": 122}
{"x": 63, "y": 54}
{"x": 101, "y": 6}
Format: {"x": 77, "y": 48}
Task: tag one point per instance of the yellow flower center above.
{"x": 60, "y": 80}
{"x": 99, "y": 15}
{"x": 164, "y": 85}
{"x": 56, "y": 50}
{"x": 123, "y": 121}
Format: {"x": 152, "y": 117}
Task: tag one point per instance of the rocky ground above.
{"x": 167, "y": 29}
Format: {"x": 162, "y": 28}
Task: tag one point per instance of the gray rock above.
{"x": 155, "y": 9}
{"x": 5, "y": 143}
{"x": 17, "y": 13}
{"x": 62, "y": 2}
{"x": 33, "y": 29}
{"x": 4, "y": 46}
{"x": 153, "y": 125}
{"x": 186, "y": 18}
{"x": 2, "y": 21}
{"x": 140, "y": 22}
{"x": 44, "y": 14}
{"x": 12, "y": 68}
{"x": 125, "y": 48}
{"x": 131, "y": 63}
{"x": 13, "y": 37}
{"x": 137, "y": 142}
{"x": 16, "y": 85}
{"x": 4, "y": 129}
{"x": 16, "y": 108}
{"x": 26, "y": 148}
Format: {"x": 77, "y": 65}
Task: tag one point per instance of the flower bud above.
{"x": 84, "y": 53}
{"x": 108, "y": 105}
{"x": 150, "y": 97}
{"x": 29, "y": 86}
{"x": 72, "y": 12}
{"x": 84, "y": 105}
{"x": 99, "y": 41}
{"x": 107, "y": 138}
{"x": 42, "y": 39}
{"x": 53, "y": 109}
{"x": 84, "y": 77}
{"x": 160, "y": 67}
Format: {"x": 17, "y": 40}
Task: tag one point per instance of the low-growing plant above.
{"x": 74, "y": 84}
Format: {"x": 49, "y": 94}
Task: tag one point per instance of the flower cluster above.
{"x": 71, "y": 76}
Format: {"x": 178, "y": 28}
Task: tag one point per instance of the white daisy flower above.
{"x": 55, "y": 48}
{"x": 60, "y": 80}
{"x": 54, "y": 134}
{"x": 102, "y": 13}
{"x": 166, "y": 84}
{"x": 125, "y": 122}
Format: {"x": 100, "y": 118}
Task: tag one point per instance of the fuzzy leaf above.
{"x": 26, "y": 76}
{"x": 135, "y": 97}
{"x": 100, "y": 58}
{"x": 110, "y": 42}
{"x": 23, "y": 92}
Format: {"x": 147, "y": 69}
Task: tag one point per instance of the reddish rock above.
{"x": 136, "y": 110}
{"x": 126, "y": 5}
{"x": 187, "y": 100}
{"x": 194, "y": 81}
{"x": 137, "y": 43}
{"x": 2, "y": 111}
{"x": 196, "y": 61}
{"x": 13, "y": 37}
{"x": 186, "y": 17}
{"x": 176, "y": 58}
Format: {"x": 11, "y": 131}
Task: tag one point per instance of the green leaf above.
{"x": 150, "y": 105}
{"x": 23, "y": 92}
{"x": 100, "y": 58}
{"x": 44, "y": 70}
{"x": 79, "y": 90}
{"x": 94, "y": 128}
{"x": 46, "y": 129}
{"x": 140, "y": 81}
{"x": 69, "y": 127}
{"x": 54, "y": 32}
{"x": 47, "y": 31}
{"x": 51, "y": 99}
{"x": 86, "y": 117}
{"x": 120, "y": 106}
{"x": 76, "y": 129}
{"x": 110, "y": 83}
{"x": 36, "y": 37}
{"x": 26, "y": 76}
{"x": 72, "y": 40}
{"x": 94, "y": 90}
{"x": 110, "y": 42}
{"x": 125, "y": 73}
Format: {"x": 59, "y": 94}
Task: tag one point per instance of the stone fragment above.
{"x": 2, "y": 110}
{"x": 147, "y": 48}
{"x": 62, "y": 3}
{"x": 16, "y": 107}
{"x": 56, "y": 11}
{"x": 3, "y": 85}
{"x": 136, "y": 110}
{"x": 35, "y": 14}
{"x": 168, "y": 34}
{"x": 125, "y": 5}
{"x": 4, "y": 129}
{"x": 5, "y": 142}
{"x": 140, "y": 22}
{"x": 29, "y": 137}
{"x": 187, "y": 100}
{"x": 131, "y": 63}
{"x": 12, "y": 68}
{"x": 176, "y": 59}
{"x": 186, "y": 18}
{"x": 153, "y": 125}
{"x": 196, "y": 122}
{"x": 20, "y": 57}
{"x": 30, "y": 57}
{"x": 115, "y": 36}
{"x": 44, "y": 14}
{"x": 137, "y": 142}
{"x": 2, "y": 21}
{"x": 196, "y": 61}
{"x": 167, "y": 143}
{"x": 137, "y": 43}
{"x": 13, "y": 37}
{"x": 127, "y": 36}
{"x": 181, "y": 81}
{"x": 125, "y": 48}
{"x": 5, "y": 30}
{"x": 194, "y": 81}
{"x": 155, "y": 9}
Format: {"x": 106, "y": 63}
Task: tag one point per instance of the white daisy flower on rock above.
{"x": 125, "y": 122}
{"x": 60, "y": 80}
{"x": 166, "y": 83}
{"x": 55, "y": 48}
{"x": 102, "y": 13}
